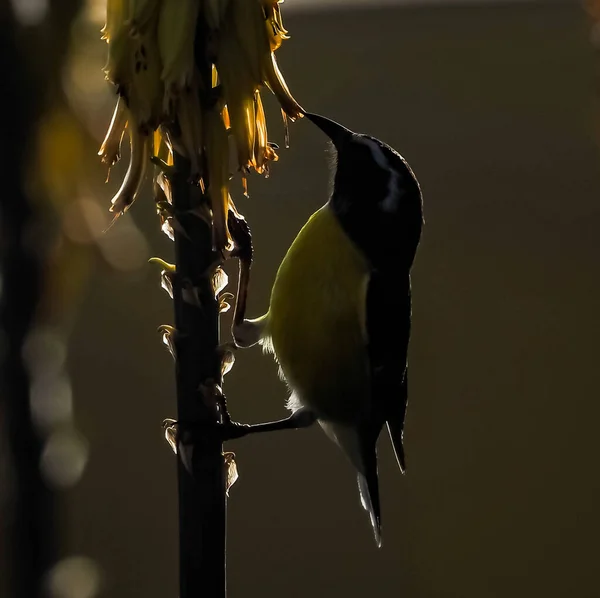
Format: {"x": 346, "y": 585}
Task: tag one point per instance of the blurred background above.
{"x": 496, "y": 107}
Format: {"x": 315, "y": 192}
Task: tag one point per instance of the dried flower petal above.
{"x": 223, "y": 305}
{"x": 227, "y": 361}
{"x": 219, "y": 280}
{"x": 166, "y": 282}
{"x": 168, "y": 338}
{"x": 170, "y": 430}
{"x": 231, "y": 471}
{"x": 166, "y": 228}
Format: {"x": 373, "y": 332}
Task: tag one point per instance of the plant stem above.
{"x": 202, "y": 497}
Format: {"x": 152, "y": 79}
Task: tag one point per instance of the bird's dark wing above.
{"x": 388, "y": 331}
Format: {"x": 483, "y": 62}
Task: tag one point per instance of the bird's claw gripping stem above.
{"x": 230, "y": 430}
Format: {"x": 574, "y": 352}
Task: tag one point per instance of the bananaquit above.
{"x": 340, "y": 312}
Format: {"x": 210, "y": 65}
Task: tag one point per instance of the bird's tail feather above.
{"x": 395, "y": 429}
{"x": 368, "y": 486}
{"x": 363, "y": 456}
{"x": 395, "y": 423}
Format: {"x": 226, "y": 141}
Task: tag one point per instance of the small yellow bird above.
{"x": 340, "y": 311}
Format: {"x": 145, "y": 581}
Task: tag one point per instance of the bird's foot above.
{"x": 299, "y": 419}
{"x": 230, "y": 430}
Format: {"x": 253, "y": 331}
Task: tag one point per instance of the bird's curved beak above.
{"x": 336, "y": 132}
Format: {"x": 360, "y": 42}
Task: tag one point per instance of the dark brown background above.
{"x": 495, "y": 109}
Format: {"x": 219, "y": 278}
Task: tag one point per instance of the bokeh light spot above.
{"x": 84, "y": 221}
{"x": 30, "y": 12}
{"x": 124, "y": 247}
{"x": 51, "y": 401}
{"x": 64, "y": 458}
{"x": 44, "y": 352}
{"x": 74, "y": 577}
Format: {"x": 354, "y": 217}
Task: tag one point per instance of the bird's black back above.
{"x": 378, "y": 202}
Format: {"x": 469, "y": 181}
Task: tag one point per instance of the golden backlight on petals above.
{"x": 276, "y": 32}
{"x": 286, "y": 129}
{"x": 110, "y": 151}
{"x": 140, "y": 155}
{"x": 226, "y": 119}
{"x": 162, "y": 149}
{"x": 151, "y": 63}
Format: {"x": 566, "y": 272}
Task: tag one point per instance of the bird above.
{"x": 339, "y": 319}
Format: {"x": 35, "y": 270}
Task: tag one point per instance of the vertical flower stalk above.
{"x": 189, "y": 77}
{"x": 195, "y": 340}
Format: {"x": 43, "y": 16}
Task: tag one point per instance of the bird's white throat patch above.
{"x": 390, "y": 201}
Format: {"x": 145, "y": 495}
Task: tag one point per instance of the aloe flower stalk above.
{"x": 189, "y": 77}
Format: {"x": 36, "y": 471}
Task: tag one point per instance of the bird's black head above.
{"x": 376, "y": 196}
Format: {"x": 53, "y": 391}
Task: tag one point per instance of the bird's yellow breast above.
{"x": 316, "y": 320}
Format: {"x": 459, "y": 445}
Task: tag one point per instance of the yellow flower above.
{"x": 165, "y": 105}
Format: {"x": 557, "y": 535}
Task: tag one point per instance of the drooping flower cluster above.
{"x": 153, "y": 63}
